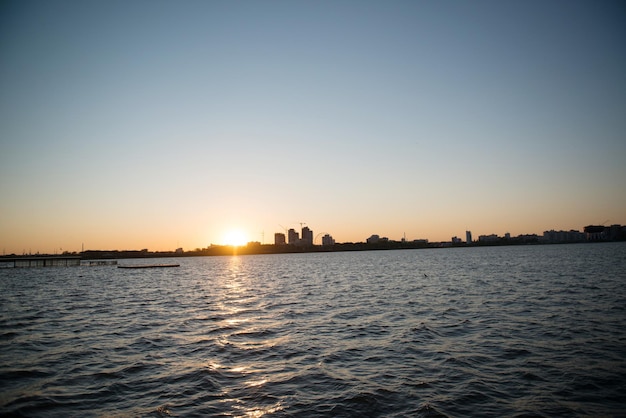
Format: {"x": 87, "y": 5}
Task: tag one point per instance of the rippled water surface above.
{"x": 504, "y": 331}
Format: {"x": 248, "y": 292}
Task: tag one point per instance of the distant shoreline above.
{"x": 260, "y": 249}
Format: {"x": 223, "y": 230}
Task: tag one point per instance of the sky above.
{"x": 160, "y": 124}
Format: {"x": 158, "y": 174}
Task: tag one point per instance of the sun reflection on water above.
{"x": 253, "y": 383}
{"x": 238, "y": 404}
{"x": 236, "y": 321}
{"x": 259, "y": 412}
{"x": 244, "y": 333}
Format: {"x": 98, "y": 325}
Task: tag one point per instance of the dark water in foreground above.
{"x": 505, "y": 331}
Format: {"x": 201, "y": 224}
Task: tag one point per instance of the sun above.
{"x": 235, "y": 238}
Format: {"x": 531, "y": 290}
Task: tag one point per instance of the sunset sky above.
{"x": 165, "y": 124}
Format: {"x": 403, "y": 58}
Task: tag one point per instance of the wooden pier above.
{"x": 40, "y": 261}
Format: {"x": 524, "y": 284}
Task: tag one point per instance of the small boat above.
{"x": 148, "y": 266}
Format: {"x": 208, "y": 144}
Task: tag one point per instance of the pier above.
{"x": 40, "y": 261}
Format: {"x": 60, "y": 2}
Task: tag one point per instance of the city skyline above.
{"x": 307, "y": 238}
{"x": 163, "y": 125}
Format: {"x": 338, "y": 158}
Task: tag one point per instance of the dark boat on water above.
{"x": 148, "y": 266}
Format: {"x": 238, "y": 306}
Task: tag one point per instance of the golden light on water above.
{"x": 244, "y": 329}
{"x": 241, "y": 404}
{"x": 259, "y": 382}
{"x": 236, "y": 321}
{"x": 259, "y": 412}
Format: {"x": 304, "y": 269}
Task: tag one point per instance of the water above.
{"x": 505, "y": 331}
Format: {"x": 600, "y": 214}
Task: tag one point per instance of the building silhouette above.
{"x": 307, "y": 236}
{"x": 491, "y": 238}
{"x": 468, "y": 237}
{"x": 292, "y": 237}
{"x": 279, "y": 238}
{"x": 554, "y": 237}
{"x": 327, "y": 240}
{"x": 373, "y": 239}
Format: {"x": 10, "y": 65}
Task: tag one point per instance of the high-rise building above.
{"x": 292, "y": 237}
{"x": 327, "y": 240}
{"x": 279, "y": 238}
{"x": 307, "y": 236}
{"x": 468, "y": 237}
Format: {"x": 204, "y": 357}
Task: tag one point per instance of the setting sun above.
{"x": 236, "y": 238}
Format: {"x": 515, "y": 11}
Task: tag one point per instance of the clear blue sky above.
{"x": 157, "y": 124}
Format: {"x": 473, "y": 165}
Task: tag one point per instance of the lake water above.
{"x": 502, "y": 331}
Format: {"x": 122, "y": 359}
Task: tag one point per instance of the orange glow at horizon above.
{"x": 235, "y": 238}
